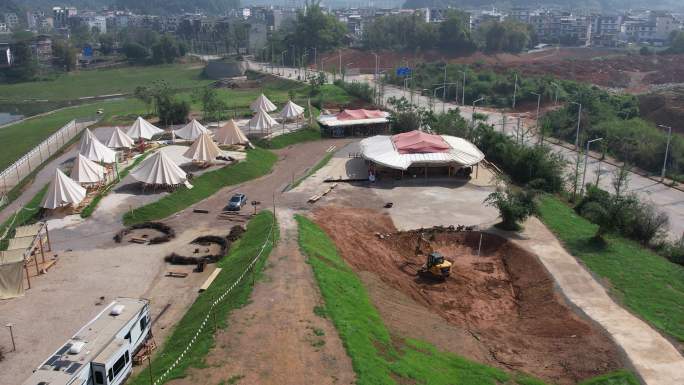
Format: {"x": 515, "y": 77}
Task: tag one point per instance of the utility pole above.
{"x": 539, "y": 132}
{"x": 667, "y": 150}
{"x": 445, "y": 87}
{"x": 586, "y": 158}
{"x": 464, "y": 84}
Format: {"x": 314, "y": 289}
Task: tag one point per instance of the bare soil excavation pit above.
{"x": 148, "y": 232}
{"x": 504, "y": 298}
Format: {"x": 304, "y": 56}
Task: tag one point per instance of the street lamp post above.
{"x": 515, "y": 90}
{"x": 557, "y": 89}
{"x": 464, "y": 85}
{"x": 375, "y": 78}
{"x": 667, "y": 150}
{"x": 346, "y": 68}
{"x": 541, "y": 136}
{"x": 579, "y": 119}
{"x": 477, "y": 101}
{"x": 586, "y": 159}
{"x": 282, "y": 62}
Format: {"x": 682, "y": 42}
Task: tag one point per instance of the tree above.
{"x": 166, "y": 50}
{"x": 64, "y": 55}
{"x": 144, "y": 94}
{"x": 24, "y": 66}
{"x": 135, "y": 52}
{"x": 314, "y": 28}
{"x": 454, "y": 33}
{"x": 212, "y": 105}
{"x": 514, "y": 205}
{"x": 107, "y": 41}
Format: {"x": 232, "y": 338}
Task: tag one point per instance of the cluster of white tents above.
{"x": 262, "y": 121}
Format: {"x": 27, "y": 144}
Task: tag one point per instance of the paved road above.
{"x": 669, "y": 200}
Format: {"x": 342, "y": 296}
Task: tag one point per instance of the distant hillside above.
{"x": 609, "y": 5}
{"x": 149, "y": 6}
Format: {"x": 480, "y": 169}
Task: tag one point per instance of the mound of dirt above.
{"x": 664, "y": 107}
{"x": 504, "y": 297}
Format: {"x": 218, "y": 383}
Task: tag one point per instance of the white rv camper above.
{"x": 101, "y": 353}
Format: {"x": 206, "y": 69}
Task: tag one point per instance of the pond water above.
{"x": 6, "y": 117}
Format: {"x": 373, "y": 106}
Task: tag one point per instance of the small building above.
{"x": 354, "y": 123}
{"x": 417, "y": 153}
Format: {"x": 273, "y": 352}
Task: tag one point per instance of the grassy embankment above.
{"x": 379, "y": 358}
{"x": 259, "y": 162}
{"x": 648, "y": 284}
{"x": 27, "y": 215}
{"x": 240, "y": 255}
{"x": 313, "y": 169}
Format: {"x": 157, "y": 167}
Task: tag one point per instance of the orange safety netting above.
{"x": 418, "y": 142}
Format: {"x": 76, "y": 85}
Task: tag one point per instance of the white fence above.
{"x": 24, "y": 166}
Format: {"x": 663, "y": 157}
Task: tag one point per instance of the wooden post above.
{"x": 28, "y": 280}
{"x": 36, "y": 261}
{"x": 42, "y": 252}
{"x": 47, "y": 234}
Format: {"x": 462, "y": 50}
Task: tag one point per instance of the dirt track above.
{"x": 505, "y": 298}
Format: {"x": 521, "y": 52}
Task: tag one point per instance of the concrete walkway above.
{"x": 654, "y": 358}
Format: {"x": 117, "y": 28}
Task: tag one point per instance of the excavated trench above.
{"x": 503, "y": 298}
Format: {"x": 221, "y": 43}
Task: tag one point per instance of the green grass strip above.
{"x": 88, "y": 210}
{"x": 374, "y": 356}
{"x": 259, "y": 162}
{"x": 620, "y": 377}
{"x": 648, "y": 284}
{"x": 315, "y": 168}
{"x": 26, "y": 216}
{"x": 300, "y": 136}
{"x": 241, "y": 254}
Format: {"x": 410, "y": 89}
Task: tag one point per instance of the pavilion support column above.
{"x": 425, "y": 172}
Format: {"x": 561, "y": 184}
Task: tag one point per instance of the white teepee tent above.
{"x": 261, "y": 121}
{"x": 191, "y": 130}
{"x": 119, "y": 139}
{"x": 62, "y": 191}
{"x": 86, "y": 138}
{"x": 141, "y": 128}
{"x": 203, "y": 149}
{"x": 263, "y": 103}
{"x": 87, "y": 171}
{"x": 229, "y": 133}
{"x": 291, "y": 111}
{"x": 159, "y": 170}
{"x": 98, "y": 152}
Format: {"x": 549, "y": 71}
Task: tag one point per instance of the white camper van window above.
{"x": 99, "y": 379}
{"x": 118, "y": 365}
{"x": 143, "y": 323}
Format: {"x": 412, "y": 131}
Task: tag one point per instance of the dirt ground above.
{"x": 504, "y": 298}
{"x": 604, "y": 67}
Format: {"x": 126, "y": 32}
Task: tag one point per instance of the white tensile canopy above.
{"x": 11, "y": 277}
{"x": 63, "y": 191}
{"x": 159, "y": 170}
{"x": 98, "y": 152}
{"x": 230, "y": 134}
{"x": 191, "y": 131}
{"x": 87, "y": 171}
{"x": 203, "y": 149}
{"x": 261, "y": 121}
{"x": 263, "y": 103}
{"x": 119, "y": 139}
{"x": 141, "y": 128}
{"x": 291, "y": 110}
{"x": 86, "y": 138}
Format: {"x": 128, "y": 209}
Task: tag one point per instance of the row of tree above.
{"x": 453, "y": 36}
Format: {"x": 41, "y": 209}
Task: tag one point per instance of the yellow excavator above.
{"x": 436, "y": 266}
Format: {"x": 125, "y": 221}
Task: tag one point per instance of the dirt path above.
{"x": 277, "y": 339}
{"x": 654, "y": 358}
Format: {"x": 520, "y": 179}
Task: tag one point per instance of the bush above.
{"x": 359, "y": 90}
{"x": 514, "y": 206}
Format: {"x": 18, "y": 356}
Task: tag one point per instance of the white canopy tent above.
{"x": 191, "y": 131}
{"x": 141, "y": 128}
{"x": 159, "y": 170}
{"x": 263, "y": 103}
{"x": 229, "y": 134}
{"x": 86, "y": 171}
{"x": 203, "y": 149}
{"x": 86, "y": 138}
{"x": 119, "y": 139}
{"x": 291, "y": 111}
{"x": 261, "y": 121}
{"x": 62, "y": 191}
{"x": 98, "y": 152}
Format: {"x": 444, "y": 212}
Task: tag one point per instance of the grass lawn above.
{"x": 107, "y": 81}
{"x": 240, "y": 255}
{"x": 379, "y": 358}
{"x": 281, "y": 141}
{"x": 259, "y": 162}
{"x": 648, "y": 284}
{"x": 315, "y": 168}
{"x": 22, "y": 137}
{"x": 27, "y": 215}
